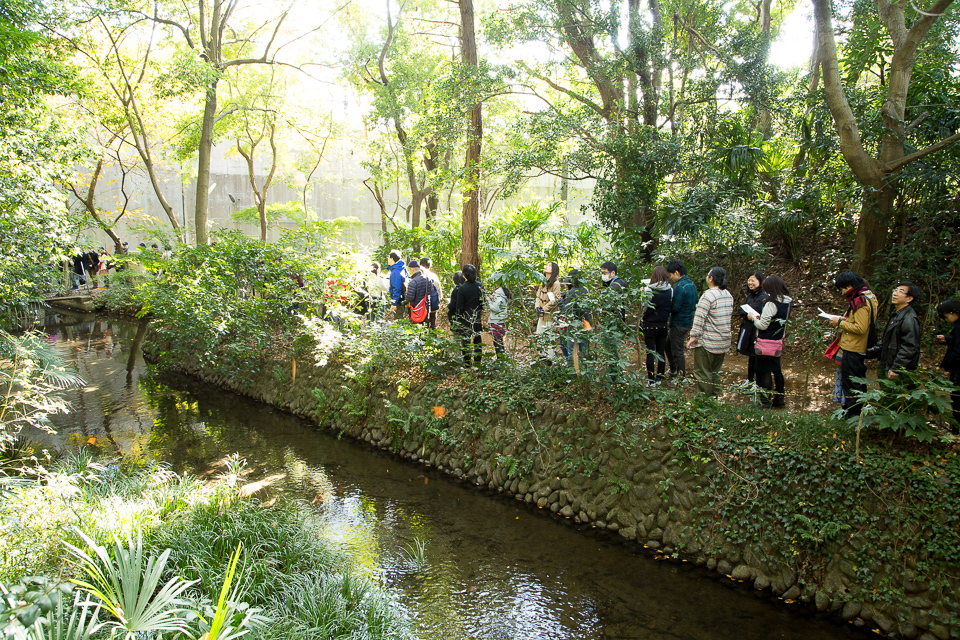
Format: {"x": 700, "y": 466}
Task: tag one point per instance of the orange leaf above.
{"x": 92, "y": 441}
{"x": 439, "y": 412}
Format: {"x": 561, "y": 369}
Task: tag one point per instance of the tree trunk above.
{"x": 203, "y": 163}
{"x": 469, "y": 247}
{"x": 876, "y": 209}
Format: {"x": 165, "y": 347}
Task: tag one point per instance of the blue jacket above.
{"x": 684, "y": 303}
{"x": 398, "y": 277}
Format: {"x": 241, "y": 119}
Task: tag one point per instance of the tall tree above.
{"x": 469, "y": 247}
{"x": 401, "y": 74}
{"x": 224, "y": 40}
{"x": 123, "y": 98}
{"x": 906, "y": 27}
{"x": 624, "y": 86}
{"x": 256, "y": 126}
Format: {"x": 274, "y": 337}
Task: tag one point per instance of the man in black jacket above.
{"x": 899, "y": 349}
{"x": 418, "y": 288}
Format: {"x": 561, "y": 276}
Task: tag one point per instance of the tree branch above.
{"x": 865, "y": 167}
{"x": 916, "y": 155}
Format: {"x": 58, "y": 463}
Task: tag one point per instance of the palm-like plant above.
{"x": 130, "y": 590}
{"x": 82, "y": 623}
{"x": 30, "y": 375}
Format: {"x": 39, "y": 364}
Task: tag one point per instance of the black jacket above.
{"x": 747, "y": 336}
{"x": 572, "y": 305}
{"x": 951, "y": 359}
{"x": 419, "y": 287}
{"x": 899, "y": 347}
{"x": 467, "y": 305}
{"x": 657, "y": 313}
{"x": 618, "y": 285}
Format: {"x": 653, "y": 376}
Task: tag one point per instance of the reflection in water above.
{"x": 493, "y": 568}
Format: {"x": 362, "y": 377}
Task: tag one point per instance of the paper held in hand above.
{"x": 747, "y": 309}
{"x": 828, "y": 316}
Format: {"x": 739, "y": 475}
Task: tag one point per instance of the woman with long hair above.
{"x": 771, "y": 324}
{"x": 756, "y": 297}
{"x": 655, "y": 322}
{"x": 710, "y": 335}
{"x": 856, "y": 326}
{"x": 546, "y": 301}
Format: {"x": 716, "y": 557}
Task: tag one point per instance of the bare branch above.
{"x": 913, "y": 125}
{"x": 916, "y": 155}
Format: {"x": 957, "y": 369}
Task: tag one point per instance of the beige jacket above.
{"x": 544, "y": 302}
{"x": 855, "y": 329}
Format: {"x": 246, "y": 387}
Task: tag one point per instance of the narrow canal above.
{"x": 494, "y": 568}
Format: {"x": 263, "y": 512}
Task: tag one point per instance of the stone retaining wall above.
{"x": 572, "y": 466}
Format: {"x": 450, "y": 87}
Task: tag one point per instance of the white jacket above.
{"x": 498, "y": 307}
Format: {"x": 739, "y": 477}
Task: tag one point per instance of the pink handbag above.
{"x": 765, "y": 348}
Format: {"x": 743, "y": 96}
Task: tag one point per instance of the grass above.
{"x": 288, "y": 571}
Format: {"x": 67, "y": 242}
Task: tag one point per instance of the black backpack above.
{"x": 872, "y": 338}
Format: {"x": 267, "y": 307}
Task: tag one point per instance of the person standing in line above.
{"x": 458, "y": 280}
{"x": 855, "y": 327}
{"x": 91, "y": 263}
{"x": 574, "y": 313}
{"x": 546, "y": 302}
{"x": 398, "y": 283}
{"x": 899, "y": 348}
{"x": 105, "y": 266}
{"x": 77, "y": 264}
{"x": 710, "y": 333}
{"x": 425, "y": 268}
{"x": 378, "y": 288}
{"x": 771, "y": 324}
{"x": 655, "y": 322}
{"x": 681, "y": 318}
{"x": 756, "y": 299}
{"x": 949, "y": 310}
{"x": 612, "y": 284}
{"x": 468, "y": 314}
{"x": 499, "y": 303}
{"x": 419, "y": 290}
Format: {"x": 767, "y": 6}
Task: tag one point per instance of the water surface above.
{"x": 495, "y": 569}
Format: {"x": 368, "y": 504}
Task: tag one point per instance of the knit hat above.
{"x": 413, "y": 264}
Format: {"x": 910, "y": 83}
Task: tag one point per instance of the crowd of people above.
{"x": 675, "y": 318}
{"x": 91, "y": 268}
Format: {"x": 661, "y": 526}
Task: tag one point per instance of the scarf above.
{"x": 856, "y": 297}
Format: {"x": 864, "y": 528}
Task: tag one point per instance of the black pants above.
{"x": 852, "y": 365}
{"x": 656, "y": 342}
{"x": 676, "y": 356}
{"x": 751, "y": 369}
{"x": 770, "y": 374}
{"x": 432, "y": 320}
{"x": 468, "y": 335}
{"x": 955, "y": 398}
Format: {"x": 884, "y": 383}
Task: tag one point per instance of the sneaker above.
{"x": 653, "y": 384}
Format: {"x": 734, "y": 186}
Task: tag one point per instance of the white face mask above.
{"x": 606, "y": 277}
